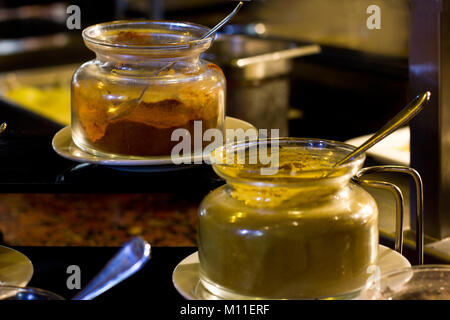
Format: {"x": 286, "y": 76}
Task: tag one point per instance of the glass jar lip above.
{"x": 417, "y": 269}
{"x": 309, "y": 174}
{"x": 91, "y": 34}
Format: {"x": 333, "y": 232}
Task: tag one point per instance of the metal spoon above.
{"x": 127, "y": 106}
{"x": 403, "y": 117}
{"x": 132, "y": 257}
{"x": 3, "y": 127}
{"x": 208, "y": 34}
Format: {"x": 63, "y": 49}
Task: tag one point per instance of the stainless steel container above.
{"x": 257, "y": 72}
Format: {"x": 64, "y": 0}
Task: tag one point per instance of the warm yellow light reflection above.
{"x": 236, "y": 216}
{"x": 112, "y": 109}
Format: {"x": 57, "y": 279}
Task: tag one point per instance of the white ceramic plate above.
{"x": 63, "y": 145}
{"x": 394, "y": 149}
{"x": 15, "y": 268}
{"x": 186, "y": 277}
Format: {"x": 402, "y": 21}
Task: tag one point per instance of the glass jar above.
{"x": 427, "y": 282}
{"x": 160, "y": 60}
{"x": 305, "y": 231}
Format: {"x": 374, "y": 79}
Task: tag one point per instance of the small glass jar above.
{"x": 160, "y": 59}
{"x": 306, "y": 231}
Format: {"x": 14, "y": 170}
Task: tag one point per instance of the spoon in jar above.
{"x": 210, "y": 32}
{"x": 125, "y": 107}
{"x": 403, "y": 117}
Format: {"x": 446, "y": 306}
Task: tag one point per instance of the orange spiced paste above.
{"x": 132, "y": 37}
{"x": 146, "y": 129}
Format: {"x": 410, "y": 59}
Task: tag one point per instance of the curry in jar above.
{"x": 131, "y": 59}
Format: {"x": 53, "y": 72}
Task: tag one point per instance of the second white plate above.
{"x": 394, "y": 149}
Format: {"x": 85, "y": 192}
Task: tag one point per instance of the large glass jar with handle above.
{"x": 303, "y": 231}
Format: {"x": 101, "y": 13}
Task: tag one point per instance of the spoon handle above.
{"x": 403, "y": 117}
{"x": 209, "y": 33}
{"x": 132, "y": 257}
{"x": 225, "y": 20}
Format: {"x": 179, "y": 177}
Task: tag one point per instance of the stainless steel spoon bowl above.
{"x": 131, "y": 258}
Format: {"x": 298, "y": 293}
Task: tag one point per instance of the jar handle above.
{"x": 399, "y": 202}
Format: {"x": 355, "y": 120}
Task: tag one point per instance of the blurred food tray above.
{"x": 44, "y": 91}
{"x": 246, "y": 57}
